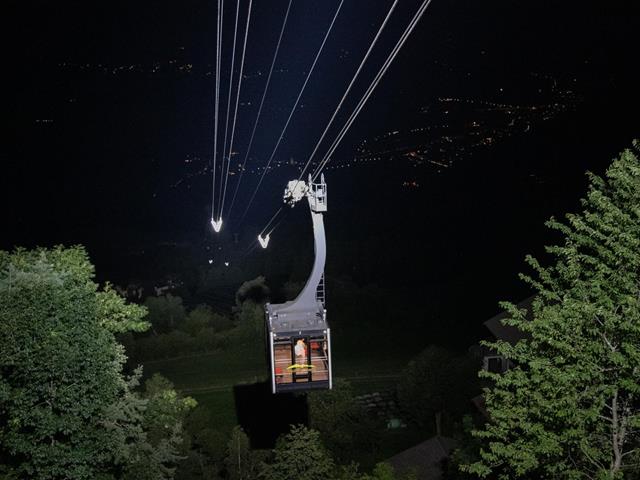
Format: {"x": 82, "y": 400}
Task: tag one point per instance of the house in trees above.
{"x": 491, "y": 360}
{"x": 424, "y": 460}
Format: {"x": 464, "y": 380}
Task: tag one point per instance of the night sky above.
{"x": 109, "y": 133}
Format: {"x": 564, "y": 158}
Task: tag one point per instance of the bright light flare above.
{"x": 226, "y": 264}
{"x": 216, "y": 224}
{"x": 264, "y": 241}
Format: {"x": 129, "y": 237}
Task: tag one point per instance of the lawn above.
{"x": 370, "y": 359}
{"x": 217, "y": 371}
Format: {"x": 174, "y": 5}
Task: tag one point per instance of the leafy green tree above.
{"x": 345, "y": 427}
{"x": 570, "y": 407}
{"x": 60, "y": 366}
{"x": 255, "y": 290}
{"x": 165, "y": 313}
{"x": 162, "y": 422}
{"x": 66, "y": 409}
{"x": 166, "y": 409}
{"x": 384, "y": 471}
{"x": 241, "y": 462}
{"x": 467, "y": 451}
{"x": 300, "y": 455}
{"x": 203, "y": 317}
{"x": 249, "y": 317}
{"x": 437, "y": 382}
{"x": 117, "y": 316}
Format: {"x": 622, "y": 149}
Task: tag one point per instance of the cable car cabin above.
{"x": 300, "y": 348}
{"x": 298, "y": 335}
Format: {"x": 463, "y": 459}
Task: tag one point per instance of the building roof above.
{"x": 424, "y": 459}
{"x": 507, "y": 332}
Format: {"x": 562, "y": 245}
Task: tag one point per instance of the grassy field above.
{"x": 368, "y": 360}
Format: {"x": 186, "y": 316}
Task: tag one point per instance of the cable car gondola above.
{"x": 298, "y": 335}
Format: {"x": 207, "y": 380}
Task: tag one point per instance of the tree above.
{"x": 345, "y": 427}
{"x": 437, "y": 382}
{"x": 162, "y": 422}
{"x": 60, "y": 366}
{"x": 203, "y": 317}
{"x": 570, "y": 406}
{"x": 241, "y": 462}
{"x": 384, "y": 471}
{"x": 255, "y": 290}
{"x": 299, "y": 455}
{"x": 66, "y": 409}
{"x": 165, "y": 313}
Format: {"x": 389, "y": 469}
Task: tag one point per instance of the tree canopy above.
{"x": 300, "y": 455}
{"x": 570, "y": 407}
{"x": 66, "y": 409}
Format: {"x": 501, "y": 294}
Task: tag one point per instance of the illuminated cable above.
{"x": 264, "y": 94}
{"x": 286, "y": 125}
{"x": 233, "y": 58}
{"x": 215, "y": 114}
{"x": 344, "y": 96}
{"x": 371, "y": 88}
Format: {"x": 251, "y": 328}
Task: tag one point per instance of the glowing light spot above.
{"x": 226, "y": 264}
{"x": 216, "y": 224}
{"x": 210, "y": 261}
{"x": 264, "y": 241}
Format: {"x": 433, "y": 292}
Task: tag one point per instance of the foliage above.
{"x": 467, "y": 451}
{"x": 570, "y": 407}
{"x": 384, "y": 471}
{"x": 202, "y": 317}
{"x": 249, "y": 317}
{"x": 67, "y": 410}
{"x": 165, "y": 312}
{"x": 255, "y": 290}
{"x": 162, "y": 420}
{"x": 198, "y": 332}
{"x": 241, "y": 462}
{"x": 166, "y": 409}
{"x": 61, "y": 368}
{"x": 117, "y": 316}
{"x": 299, "y": 455}
{"x": 345, "y": 427}
{"x": 437, "y": 382}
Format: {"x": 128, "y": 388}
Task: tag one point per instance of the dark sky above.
{"x": 95, "y": 138}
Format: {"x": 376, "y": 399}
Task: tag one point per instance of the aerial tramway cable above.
{"x": 255, "y": 125}
{"x": 355, "y": 113}
{"x": 371, "y": 88}
{"x": 216, "y": 224}
{"x": 344, "y": 96}
{"x": 286, "y": 125}
{"x": 235, "y": 113}
{"x": 233, "y": 58}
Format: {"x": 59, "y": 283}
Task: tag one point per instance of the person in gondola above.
{"x": 301, "y": 352}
